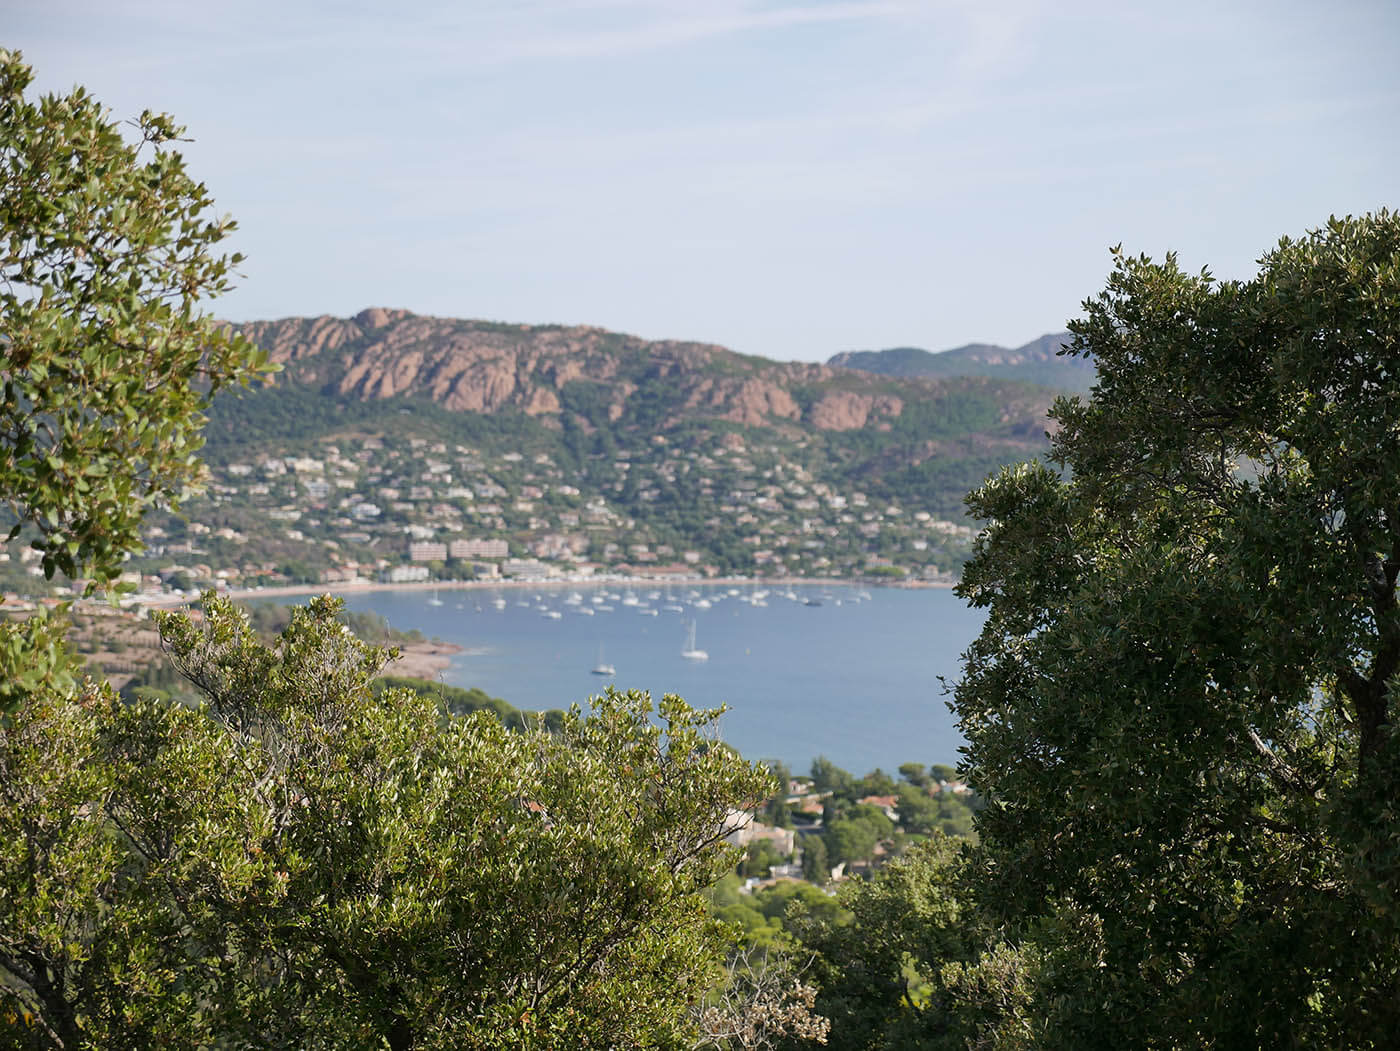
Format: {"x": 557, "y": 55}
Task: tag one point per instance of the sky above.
{"x": 789, "y": 178}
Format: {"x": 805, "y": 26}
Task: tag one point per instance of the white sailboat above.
{"x": 691, "y": 653}
{"x": 435, "y": 601}
{"x": 603, "y": 667}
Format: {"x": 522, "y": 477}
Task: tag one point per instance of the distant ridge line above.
{"x": 1038, "y": 361}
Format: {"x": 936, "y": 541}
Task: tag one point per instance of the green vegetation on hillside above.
{"x": 284, "y": 415}
{"x": 306, "y": 483}
{"x": 645, "y": 461}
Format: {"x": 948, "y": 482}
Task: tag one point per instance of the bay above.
{"x": 849, "y": 673}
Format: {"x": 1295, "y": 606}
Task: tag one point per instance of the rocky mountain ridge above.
{"x": 555, "y": 373}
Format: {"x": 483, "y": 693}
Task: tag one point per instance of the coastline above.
{"x": 361, "y": 587}
{"x": 422, "y": 660}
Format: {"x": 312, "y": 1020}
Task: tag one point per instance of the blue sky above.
{"x": 788, "y": 178}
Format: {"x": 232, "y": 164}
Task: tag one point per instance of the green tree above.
{"x": 782, "y": 900}
{"x": 310, "y": 862}
{"x": 1181, "y": 708}
{"x": 828, "y": 777}
{"x": 914, "y": 773}
{"x": 106, "y": 247}
{"x": 760, "y": 857}
{"x": 908, "y": 963}
{"x": 943, "y": 772}
{"x": 918, "y": 811}
{"x": 851, "y": 839}
{"x": 107, "y": 363}
{"x": 776, "y": 811}
{"x": 814, "y": 864}
{"x": 875, "y": 783}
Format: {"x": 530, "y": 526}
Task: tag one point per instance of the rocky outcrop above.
{"x": 757, "y": 402}
{"x": 845, "y": 411}
{"x": 298, "y": 338}
{"x": 481, "y": 366}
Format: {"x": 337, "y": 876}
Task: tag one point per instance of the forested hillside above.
{"x": 577, "y": 443}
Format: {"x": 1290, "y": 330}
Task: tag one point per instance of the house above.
{"x": 887, "y": 804}
{"x": 743, "y": 829}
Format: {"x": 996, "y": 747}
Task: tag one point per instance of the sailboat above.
{"x": 603, "y": 667}
{"x": 690, "y": 653}
{"x": 435, "y": 601}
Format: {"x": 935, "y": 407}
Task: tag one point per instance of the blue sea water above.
{"x": 855, "y": 679}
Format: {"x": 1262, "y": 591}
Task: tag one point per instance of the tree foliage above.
{"x": 1181, "y": 707}
{"x": 763, "y": 1003}
{"x": 308, "y": 862}
{"x": 912, "y": 965}
{"x": 106, "y": 247}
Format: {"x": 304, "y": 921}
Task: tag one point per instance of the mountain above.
{"x": 576, "y": 443}
{"x": 1039, "y": 361}
{"x": 589, "y": 375}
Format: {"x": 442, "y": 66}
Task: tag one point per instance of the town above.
{"x": 403, "y": 509}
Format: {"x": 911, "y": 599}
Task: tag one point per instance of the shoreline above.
{"x": 368, "y": 586}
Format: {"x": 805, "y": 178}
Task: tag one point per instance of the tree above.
{"x": 828, "y": 777}
{"x": 310, "y": 862}
{"x": 912, "y": 965}
{"x": 943, "y": 772}
{"x": 1180, "y": 710}
{"x": 760, "y": 858}
{"x": 853, "y": 839}
{"x": 914, "y": 773}
{"x": 776, "y": 811}
{"x": 814, "y": 865}
{"x": 105, "y": 359}
{"x": 918, "y": 811}
{"x": 875, "y": 783}
{"x": 106, "y": 247}
{"x": 763, "y": 1003}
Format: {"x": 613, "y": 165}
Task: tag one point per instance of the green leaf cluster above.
{"x": 106, "y": 362}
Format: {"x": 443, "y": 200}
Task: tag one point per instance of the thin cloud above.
{"x": 677, "y": 32}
